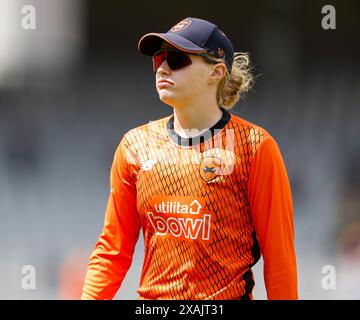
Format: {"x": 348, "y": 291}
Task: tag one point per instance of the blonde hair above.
{"x": 235, "y": 83}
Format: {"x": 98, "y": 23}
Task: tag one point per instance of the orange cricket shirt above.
{"x": 208, "y": 207}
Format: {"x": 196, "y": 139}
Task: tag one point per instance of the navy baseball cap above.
{"x": 191, "y": 35}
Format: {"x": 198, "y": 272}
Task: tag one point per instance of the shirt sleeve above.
{"x": 114, "y": 250}
{"x": 272, "y": 210}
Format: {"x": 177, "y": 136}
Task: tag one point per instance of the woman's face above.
{"x": 185, "y": 84}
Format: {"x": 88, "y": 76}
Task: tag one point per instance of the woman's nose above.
{"x": 163, "y": 68}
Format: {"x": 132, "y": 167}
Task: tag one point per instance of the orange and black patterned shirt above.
{"x": 208, "y": 207}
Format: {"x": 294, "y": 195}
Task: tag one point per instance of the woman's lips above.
{"x": 164, "y": 84}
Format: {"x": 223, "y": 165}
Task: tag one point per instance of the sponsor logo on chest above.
{"x": 179, "y": 217}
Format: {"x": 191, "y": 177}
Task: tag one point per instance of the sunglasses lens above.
{"x": 175, "y": 60}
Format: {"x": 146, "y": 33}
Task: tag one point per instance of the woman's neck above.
{"x": 192, "y": 120}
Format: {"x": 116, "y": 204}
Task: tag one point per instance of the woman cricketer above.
{"x": 208, "y": 189}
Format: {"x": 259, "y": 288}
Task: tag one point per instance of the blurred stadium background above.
{"x": 70, "y": 88}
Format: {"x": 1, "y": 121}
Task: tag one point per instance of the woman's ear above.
{"x": 218, "y": 72}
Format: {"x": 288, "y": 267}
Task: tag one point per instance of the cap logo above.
{"x": 221, "y": 52}
{"x": 181, "y": 25}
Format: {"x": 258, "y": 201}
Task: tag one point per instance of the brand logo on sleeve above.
{"x": 147, "y": 165}
{"x": 179, "y": 217}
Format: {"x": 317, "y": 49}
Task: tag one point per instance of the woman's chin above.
{"x": 167, "y": 98}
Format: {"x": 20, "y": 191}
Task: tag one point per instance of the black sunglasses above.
{"x": 175, "y": 58}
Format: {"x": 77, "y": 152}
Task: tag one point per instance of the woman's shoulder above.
{"x": 248, "y": 128}
{"x": 251, "y": 135}
{"x": 153, "y": 126}
{"x": 145, "y": 134}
